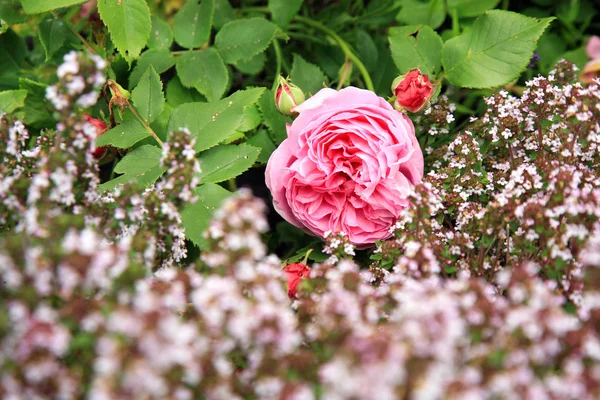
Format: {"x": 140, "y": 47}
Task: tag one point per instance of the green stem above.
{"x": 150, "y": 131}
{"x": 343, "y": 45}
{"x": 279, "y": 62}
{"x": 232, "y": 185}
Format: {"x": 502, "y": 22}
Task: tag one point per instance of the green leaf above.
{"x": 160, "y": 59}
{"x": 244, "y": 38}
{"x": 37, "y": 108}
{"x": 12, "y": 12}
{"x": 272, "y": 118}
{"x": 252, "y": 119}
{"x": 52, "y": 33}
{"x": 204, "y": 70}
{"x": 123, "y": 136}
{"x": 494, "y": 52}
{"x": 223, "y": 13}
{"x": 283, "y": 11}
{"x": 141, "y": 164}
{"x": 177, "y": 94}
{"x": 423, "y": 51}
{"x": 129, "y": 24}
{"x": 366, "y": 50}
{"x": 415, "y": 12}
{"x": 307, "y": 76}
{"x": 148, "y": 97}
{"x": 263, "y": 141}
{"x": 226, "y": 162}
{"x": 471, "y": 8}
{"x": 161, "y": 36}
{"x": 196, "y": 217}
{"x": 193, "y": 22}
{"x": 12, "y": 51}
{"x": 10, "y": 100}
{"x": 39, "y": 6}
{"x": 211, "y": 123}
{"x": 252, "y": 65}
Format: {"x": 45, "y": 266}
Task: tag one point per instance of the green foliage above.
{"x": 284, "y": 10}
{"x": 196, "y": 217}
{"x": 53, "y": 34}
{"x": 39, "y": 6}
{"x": 423, "y": 51}
{"x": 10, "y": 100}
{"x": 148, "y": 96}
{"x": 129, "y": 24}
{"x": 124, "y": 135}
{"x": 244, "y": 38}
{"x": 226, "y": 162}
{"x": 161, "y": 36}
{"x": 494, "y": 52}
{"x": 141, "y": 165}
{"x": 205, "y": 71}
{"x": 432, "y": 13}
{"x": 193, "y": 22}
{"x": 212, "y": 123}
{"x": 307, "y": 76}
{"x": 160, "y": 59}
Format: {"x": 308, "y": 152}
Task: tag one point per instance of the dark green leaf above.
{"x": 226, "y": 162}
{"x": 193, "y": 22}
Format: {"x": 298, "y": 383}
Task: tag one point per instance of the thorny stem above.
{"x": 346, "y": 72}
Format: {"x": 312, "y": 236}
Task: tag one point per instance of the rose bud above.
{"x": 295, "y": 273}
{"x": 100, "y": 129}
{"x": 413, "y": 91}
{"x": 287, "y": 96}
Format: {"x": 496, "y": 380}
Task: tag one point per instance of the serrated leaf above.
{"x": 211, "y": 123}
{"x": 123, "y": 136}
{"x": 415, "y": 12}
{"x": 193, "y": 22}
{"x": 471, "y": 8}
{"x": 141, "y": 164}
{"x": 39, "y": 6}
{"x": 423, "y": 51}
{"x": 196, "y": 217}
{"x": 272, "y": 118}
{"x": 494, "y": 52}
{"x": 283, "y": 11}
{"x": 10, "y": 100}
{"x": 177, "y": 94}
{"x": 252, "y": 65}
{"x": 307, "y": 76}
{"x": 161, "y": 36}
{"x": 52, "y": 33}
{"x": 129, "y": 24}
{"x": 204, "y": 70}
{"x": 263, "y": 141}
{"x": 160, "y": 59}
{"x": 226, "y": 162}
{"x": 148, "y": 97}
{"x": 244, "y": 38}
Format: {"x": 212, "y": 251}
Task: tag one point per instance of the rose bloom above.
{"x": 295, "y": 273}
{"x": 412, "y": 91}
{"x": 591, "y": 70}
{"x": 347, "y": 165}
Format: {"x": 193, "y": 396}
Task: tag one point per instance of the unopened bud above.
{"x": 287, "y": 96}
{"x": 100, "y": 129}
{"x": 413, "y": 91}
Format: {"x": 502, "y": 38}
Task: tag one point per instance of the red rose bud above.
{"x": 295, "y": 273}
{"x": 100, "y": 129}
{"x": 287, "y": 96}
{"x": 413, "y": 91}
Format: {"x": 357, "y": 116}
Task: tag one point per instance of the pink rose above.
{"x": 591, "y": 70}
{"x": 413, "y": 91}
{"x": 347, "y": 165}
